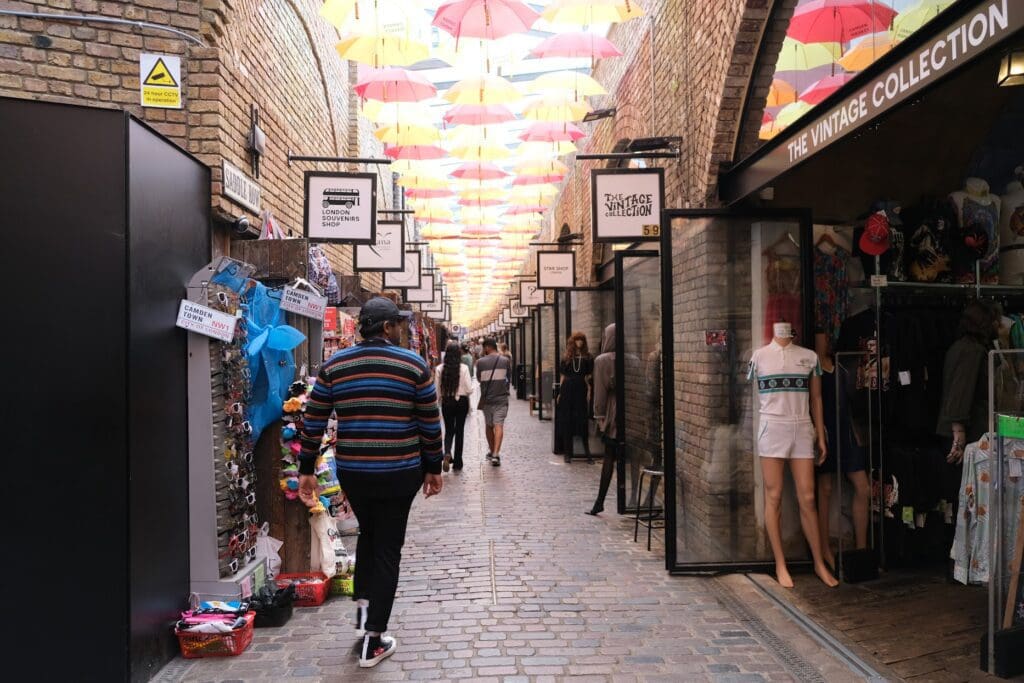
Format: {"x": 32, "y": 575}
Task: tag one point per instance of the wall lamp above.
{"x": 1011, "y": 67}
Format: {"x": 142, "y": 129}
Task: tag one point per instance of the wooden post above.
{"x": 288, "y": 518}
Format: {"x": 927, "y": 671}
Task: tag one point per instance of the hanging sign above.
{"x": 387, "y": 254}
{"x": 530, "y": 294}
{"x": 160, "y": 81}
{"x": 434, "y": 306}
{"x": 239, "y": 188}
{"x": 425, "y": 293}
{"x": 506, "y": 317}
{"x": 626, "y": 203}
{"x": 341, "y": 207}
{"x": 556, "y": 269}
{"x": 517, "y": 310}
{"x": 956, "y": 43}
{"x": 206, "y": 321}
{"x": 408, "y": 277}
{"x": 304, "y": 302}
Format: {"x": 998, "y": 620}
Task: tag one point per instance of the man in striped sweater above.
{"x": 388, "y": 447}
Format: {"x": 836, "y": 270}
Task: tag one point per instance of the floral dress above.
{"x": 831, "y": 291}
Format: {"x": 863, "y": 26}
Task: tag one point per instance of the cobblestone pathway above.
{"x": 505, "y": 579}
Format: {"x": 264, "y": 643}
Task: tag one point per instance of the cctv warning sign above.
{"x": 160, "y": 81}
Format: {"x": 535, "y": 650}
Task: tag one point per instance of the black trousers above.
{"x": 455, "y": 413}
{"x": 382, "y": 523}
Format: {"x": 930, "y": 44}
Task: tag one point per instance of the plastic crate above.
{"x": 343, "y": 584}
{"x": 307, "y": 594}
{"x": 199, "y": 645}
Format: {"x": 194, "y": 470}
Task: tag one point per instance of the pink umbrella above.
{"x": 767, "y": 118}
{"x": 520, "y": 210}
{"x": 481, "y": 231}
{"x": 478, "y": 171}
{"x": 544, "y": 131}
{"x": 415, "y": 152}
{"x": 481, "y": 202}
{"x": 823, "y": 88}
{"x": 431, "y": 194}
{"x": 396, "y": 85}
{"x": 576, "y": 45}
{"x": 478, "y": 114}
{"x": 487, "y": 19}
{"x": 838, "y": 21}
{"x": 538, "y": 179}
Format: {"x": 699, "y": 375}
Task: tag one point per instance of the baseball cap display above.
{"x": 379, "y": 309}
{"x": 875, "y": 239}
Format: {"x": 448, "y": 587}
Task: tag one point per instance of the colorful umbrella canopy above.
{"x": 797, "y": 56}
{"x": 581, "y": 85}
{"x": 399, "y": 113}
{"x": 838, "y": 21}
{"x": 780, "y": 93}
{"x": 790, "y": 113}
{"x": 532, "y": 166}
{"x": 545, "y": 149}
{"x": 538, "y": 179}
{"x": 483, "y": 90}
{"x": 434, "y": 214}
{"x": 422, "y": 181}
{"x": 864, "y": 53}
{"x": 395, "y": 85}
{"x": 488, "y": 19}
{"x": 478, "y": 171}
{"x": 438, "y": 193}
{"x": 480, "y": 203}
{"x": 478, "y": 114}
{"x": 576, "y": 45}
{"x": 340, "y": 12}
{"x": 590, "y": 12}
{"x": 408, "y": 135}
{"x": 823, "y": 88}
{"x": 481, "y": 152}
{"x": 544, "y": 131}
{"x": 556, "y": 109}
{"x": 382, "y": 49}
{"x": 415, "y": 152}
{"x": 913, "y": 18}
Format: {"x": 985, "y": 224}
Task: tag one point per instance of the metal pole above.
{"x": 93, "y": 19}
{"x": 881, "y": 440}
{"x": 337, "y": 160}
{"x": 628, "y": 155}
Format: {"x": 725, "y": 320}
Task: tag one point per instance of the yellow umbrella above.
{"x": 537, "y": 150}
{"x": 429, "y": 213}
{"x": 581, "y": 85}
{"x": 542, "y": 190}
{"x": 541, "y": 167}
{"x": 481, "y": 152}
{"x": 471, "y": 135}
{"x": 342, "y": 13}
{"x": 422, "y": 182}
{"x": 797, "y": 56}
{"x": 400, "y": 113}
{"x": 913, "y": 18}
{"x": 408, "y": 135}
{"x": 556, "y": 109}
{"x": 432, "y": 231}
{"x": 482, "y": 194}
{"x": 382, "y": 49}
{"x": 483, "y": 90}
{"x": 589, "y": 12}
{"x": 781, "y": 93}
{"x": 865, "y": 52}
{"x": 337, "y": 11}
{"x": 791, "y": 112}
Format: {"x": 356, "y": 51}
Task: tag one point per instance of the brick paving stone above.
{"x": 571, "y": 598}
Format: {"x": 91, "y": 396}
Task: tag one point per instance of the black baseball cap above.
{"x": 379, "y": 310}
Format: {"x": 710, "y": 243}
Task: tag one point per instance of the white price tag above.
{"x": 1015, "y": 468}
{"x": 304, "y": 303}
{"x": 904, "y": 378}
{"x": 206, "y": 321}
{"x": 879, "y": 280}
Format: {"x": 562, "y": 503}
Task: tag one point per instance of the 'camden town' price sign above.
{"x": 626, "y": 204}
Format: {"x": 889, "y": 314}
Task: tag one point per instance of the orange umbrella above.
{"x": 781, "y": 93}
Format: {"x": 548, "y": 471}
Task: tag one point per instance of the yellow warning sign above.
{"x": 160, "y": 81}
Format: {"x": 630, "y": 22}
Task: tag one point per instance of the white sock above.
{"x": 362, "y": 602}
{"x": 373, "y": 634}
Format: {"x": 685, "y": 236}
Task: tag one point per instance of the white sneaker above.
{"x": 375, "y": 650}
{"x": 496, "y": 460}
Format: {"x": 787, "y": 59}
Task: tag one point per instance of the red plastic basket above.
{"x": 198, "y": 645}
{"x": 308, "y": 594}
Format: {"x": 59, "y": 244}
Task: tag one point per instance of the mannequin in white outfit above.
{"x": 1011, "y": 232}
{"x": 978, "y": 209}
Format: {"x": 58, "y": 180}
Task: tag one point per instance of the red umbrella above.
{"x": 487, "y": 19}
{"x": 576, "y": 45}
{"x": 544, "y": 131}
{"x": 520, "y": 210}
{"x": 431, "y": 194}
{"x": 538, "y": 179}
{"x": 395, "y": 85}
{"x": 823, "y": 88}
{"x": 838, "y": 21}
{"x": 767, "y": 118}
{"x": 478, "y": 114}
{"x": 478, "y": 171}
{"x": 415, "y": 152}
{"x": 481, "y": 202}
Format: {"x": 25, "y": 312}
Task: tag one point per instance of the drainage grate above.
{"x": 795, "y": 664}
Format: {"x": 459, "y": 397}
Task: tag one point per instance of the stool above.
{"x": 531, "y": 403}
{"x": 651, "y": 517}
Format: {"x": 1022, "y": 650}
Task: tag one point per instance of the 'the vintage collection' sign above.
{"x": 556, "y": 269}
{"x": 387, "y": 255}
{"x": 341, "y": 207}
{"x": 626, "y": 203}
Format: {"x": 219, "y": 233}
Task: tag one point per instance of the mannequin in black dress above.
{"x": 573, "y": 413}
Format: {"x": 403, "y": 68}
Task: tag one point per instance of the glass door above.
{"x": 638, "y": 379}
{"x": 546, "y": 356}
{"x": 529, "y": 355}
{"x": 726, "y": 277}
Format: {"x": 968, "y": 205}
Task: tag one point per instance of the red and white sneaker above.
{"x": 375, "y": 650}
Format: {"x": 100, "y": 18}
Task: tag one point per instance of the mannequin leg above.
{"x": 607, "y": 469}
{"x": 861, "y": 502}
{"x": 772, "y": 470}
{"x": 803, "y": 476}
{"x": 824, "y": 499}
{"x": 586, "y": 446}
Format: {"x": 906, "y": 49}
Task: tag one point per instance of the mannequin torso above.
{"x": 1011, "y": 235}
{"x": 976, "y": 209}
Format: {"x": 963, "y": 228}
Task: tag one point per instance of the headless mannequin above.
{"x": 1011, "y": 232}
{"x": 773, "y": 471}
{"x": 977, "y": 207}
{"x": 859, "y": 479}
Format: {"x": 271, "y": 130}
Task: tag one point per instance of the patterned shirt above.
{"x": 831, "y": 291}
{"x": 389, "y": 426}
{"x": 784, "y": 380}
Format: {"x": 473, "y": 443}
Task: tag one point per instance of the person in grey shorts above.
{"x": 493, "y": 370}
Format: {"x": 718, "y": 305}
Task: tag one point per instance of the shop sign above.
{"x": 340, "y": 207}
{"x": 239, "y": 188}
{"x": 530, "y": 294}
{"x": 625, "y": 204}
{"x": 434, "y": 306}
{"x": 506, "y": 317}
{"x": 206, "y": 321}
{"x": 387, "y": 254}
{"x": 556, "y": 269}
{"x": 425, "y": 293}
{"x": 517, "y": 311}
{"x": 716, "y": 338}
{"x": 160, "y": 81}
{"x": 969, "y": 36}
{"x": 331, "y": 320}
{"x": 304, "y": 302}
{"x": 408, "y": 277}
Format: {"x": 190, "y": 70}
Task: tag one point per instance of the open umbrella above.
{"x": 478, "y": 114}
{"x": 534, "y": 150}
{"x": 430, "y": 193}
{"x": 480, "y": 203}
{"x": 382, "y": 49}
{"x": 579, "y": 84}
{"x": 483, "y": 90}
{"x": 434, "y": 214}
{"x": 556, "y": 109}
{"x": 913, "y": 18}
{"x": 590, "y": 12}
{"x": 790, "y": 113}
{"x": 415, "y": 152}
{"x": 865, "y": 52}
{"x": 537, "y": 166}
{"x": 478, "y": 171}
{"x": 408, "y": 135}
{"x": 538, "y": 179}
{"x": 395, "y": 85}
{"x": 523, "y": 210}
{"x": 545, "y": 131}
{"x": 823, "y": 88}
{"x": 481, "y": 152}
{"x": 422, "y": 181}
{"x": 780, "y": 93}
{"x": 838, "y": 21}
{"x": 797, "y": 56}
{"x": 576, "y": 45}
{"x": 488, "y": 19}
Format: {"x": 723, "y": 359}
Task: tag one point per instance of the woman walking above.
{"x": 573, "y": 412}
{"x": 454, "y": 386}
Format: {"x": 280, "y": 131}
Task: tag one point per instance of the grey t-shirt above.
{"x": 493, "y": 372}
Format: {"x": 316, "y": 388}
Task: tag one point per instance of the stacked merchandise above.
{"x": 215, "y": 629}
